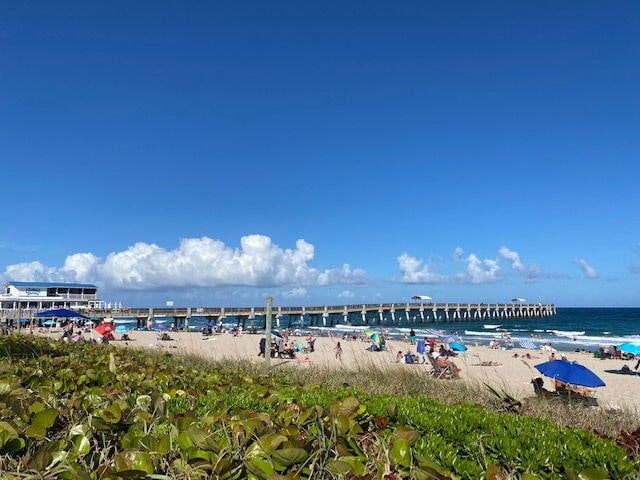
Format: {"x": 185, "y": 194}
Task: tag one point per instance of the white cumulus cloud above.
{"x": 298, "y": 292}
{"x": 196, "y": 262}
{"x": 587, "y": 269}
{"x": 513, "y": 257}
{"x": 414, "y": 272}
{"x": 458, "y": 254}
{"x": 346, "y": 294}
{"x": 480, "y": 271}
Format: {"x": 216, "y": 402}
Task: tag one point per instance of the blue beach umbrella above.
{"x": 570, "y": 372}
{"x": 122, "y": 329}
{"x": 457, "y": 346}
{"x": 629, "y": 347}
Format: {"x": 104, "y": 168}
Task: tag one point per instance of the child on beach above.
{"x": 338, "y": 351}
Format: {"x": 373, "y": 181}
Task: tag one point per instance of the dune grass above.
{"x": 374, "y": 379}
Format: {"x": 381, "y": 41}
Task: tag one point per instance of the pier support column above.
{"x": 150, "y": 319}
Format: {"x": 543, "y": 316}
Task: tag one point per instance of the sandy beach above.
{"x": 513, "y": 374}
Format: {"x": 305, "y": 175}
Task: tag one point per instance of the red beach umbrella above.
{"x": 104, "y": 329}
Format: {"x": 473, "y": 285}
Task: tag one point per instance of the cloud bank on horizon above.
{"x": 196, "y": 263}
{"x": 205, "y": 263}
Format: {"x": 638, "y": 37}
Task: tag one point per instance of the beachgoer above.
{"x": 444, "y": 362}
{"x": 412, "y": 336}
{"x": 311, "y": 342}
{"x": 400, "y": 357}
{"x": 552, "y": 356}
{"x": 338, "y": 350}
{"x": 421, "y": 349}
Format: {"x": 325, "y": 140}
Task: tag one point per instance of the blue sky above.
{"x": 215, "y": 153}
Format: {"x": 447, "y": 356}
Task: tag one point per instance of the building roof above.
{"x": 50, "y": 284}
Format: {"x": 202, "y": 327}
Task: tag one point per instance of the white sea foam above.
{"x": 481, "y": 334}
{"x": 561, "y": 333}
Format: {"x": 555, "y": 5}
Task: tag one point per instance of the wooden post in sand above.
{"x": 267, "y": 333}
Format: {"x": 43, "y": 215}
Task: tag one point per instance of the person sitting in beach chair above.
{"x": 444, "y": 362}
{"x": 540, "y": 391}
{"x": 438, "y": 371}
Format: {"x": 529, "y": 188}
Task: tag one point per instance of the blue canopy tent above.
{"x": 61, "y": 313}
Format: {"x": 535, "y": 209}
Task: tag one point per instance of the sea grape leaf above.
{"x": 45, "y": 418}
{"x": 35, "y": 431}
{"x": 408, "y": 434}
{"x": 5, "y": 388}
{"x": 112, "y": 363}
{"x": 129, "y": 462}
{"x": 593, "y": 474}
{"x": 290, "y": 456}
{"x": 203, "y": 439}
{"x": 271, "y": 441}
{"x": 357, "y": 467}
{"x": 348, "y": 406}
{"x": 160, "y": 443}
{"x": 342, "y": 423}
{"x": 260, "y": 467}
{"x": 338, "y": 468}
{"x": 81, "y": 444}
{"x": 401, "y": 452}
{"x": 112, "y": 414}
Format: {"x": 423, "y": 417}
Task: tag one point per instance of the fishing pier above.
{"x": 391, "y": 314}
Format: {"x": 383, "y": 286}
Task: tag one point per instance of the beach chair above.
{"x": 438, "y": 372}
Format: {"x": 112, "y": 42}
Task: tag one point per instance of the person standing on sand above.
{"x": 338, "y": 351}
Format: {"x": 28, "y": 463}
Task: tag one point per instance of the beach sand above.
{"x": 513, "y": 375}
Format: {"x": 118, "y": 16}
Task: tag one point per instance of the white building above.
{"x": 44, "y": 296}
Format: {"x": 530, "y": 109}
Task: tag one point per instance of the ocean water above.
{"x": 570, "y": 329}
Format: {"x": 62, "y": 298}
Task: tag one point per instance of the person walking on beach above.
{"x": 338, "y": 351}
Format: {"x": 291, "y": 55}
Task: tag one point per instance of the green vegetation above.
{"x": 76, "y": 411}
